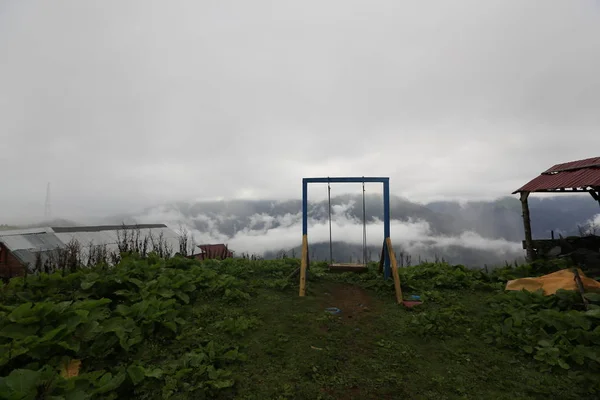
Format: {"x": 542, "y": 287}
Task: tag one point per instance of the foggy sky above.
{"x": 126, "y": 104}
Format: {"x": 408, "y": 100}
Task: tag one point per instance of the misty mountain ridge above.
{"x": 471, "y": 233}
{"x": 498, "y": 219}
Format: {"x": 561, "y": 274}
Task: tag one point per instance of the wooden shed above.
{"x": 582, "y": 176}
{"x": 213, "y": 251}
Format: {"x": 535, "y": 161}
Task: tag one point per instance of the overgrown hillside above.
{"x": 179, "y": 329}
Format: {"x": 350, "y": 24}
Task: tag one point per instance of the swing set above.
{"x": 387, "y": 262}
{"x": 358, "y": 267}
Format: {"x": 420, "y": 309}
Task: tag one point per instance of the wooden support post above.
{"x": 527, "y": 226}
{"x": 577, "y": 278}
{"x": 307, "y": 258}
{"x": 595, "y": 194}
{"x": 388, "y": 243}
{"x": 303, "y": 265}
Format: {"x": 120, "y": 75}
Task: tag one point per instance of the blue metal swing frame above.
{"x": 386, "y": 212}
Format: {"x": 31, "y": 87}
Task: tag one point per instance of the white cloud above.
{"x": 593, "y": 225}
{"x": 285, "y": 232}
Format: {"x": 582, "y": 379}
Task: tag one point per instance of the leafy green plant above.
{"x": 550, "y": 328}
{"x": 237, "y": 326}
{"x": 441, "y": 322}
{"x": 107, "y": 318}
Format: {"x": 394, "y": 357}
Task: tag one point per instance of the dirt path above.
{"x": 353, "y": 301}
{"x": 357, "y": 307}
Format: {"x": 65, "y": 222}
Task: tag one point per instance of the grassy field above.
{"x": 237, "y": 329}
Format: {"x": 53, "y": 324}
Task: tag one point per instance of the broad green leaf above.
{"x": 51, "y": 334}
{"x": 184, "y": 371}
{"x": 122, "y": 309}
{"x": 23, "y": 314}
{"x": 528, "y": 349}
{"x": 595, "y": 297}
{"x": 214, "y": 373}
{"x": 595, "y": 313}
{"x": 85, "y": 285}
{"x": 57, "y": 308}
{"x": 13, "y": 352}
{"x": 222, "y": 384}
{"x": 91, "y": 304}
{"x": 18, "y": 331}
{"x": 210, "y": 348}
{"x": 73, "y": 322}
{"x": 154, "y": 373}
{"x": 183, "y": 297}
{"x": 88, "y": 331}
{"x": 164, "y": 292}
{"x": 77, "y": 394}
{"x": 137, "y": 282}
{"x": 23, "y": 382}
{"x": 108, "y": 382}
{"x": 139, "y": 309}
{"x": 171, "y": 325}
{"x": 136, "y": 373}
{"x": 563, "y": 364}
{"x": 118, "y": 324}
{"x": 83, "y": 314}
{"x": 73, "y": 345}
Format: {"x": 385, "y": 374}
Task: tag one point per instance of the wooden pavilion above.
{"x": 572, "y": 177}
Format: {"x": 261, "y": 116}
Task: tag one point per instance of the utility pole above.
{"x": 48, "y": 210}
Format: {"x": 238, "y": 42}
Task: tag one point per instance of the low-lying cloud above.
{"x": 268, "y": 233}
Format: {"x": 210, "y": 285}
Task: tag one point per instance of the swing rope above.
{"x": 330, "y": 237}
{"x": 364, "y": 224}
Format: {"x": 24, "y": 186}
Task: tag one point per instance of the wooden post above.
{"x": 303, "y": 265}
{"x": 392, "y": 256}
{"x": 527, "y": 226}
{"x": 595, "y": 194}
{"x": 580, "y": 287}
{"x": 307, "y": 258}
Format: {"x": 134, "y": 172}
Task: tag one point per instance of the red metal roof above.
{"x": 213, "y": 247}
{"x": 587, "y": 163}
{"x": 218, "y": 251}
{"x": 571, "y": 175}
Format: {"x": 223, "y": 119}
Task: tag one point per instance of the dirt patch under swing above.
{"x": 353, "y": 301}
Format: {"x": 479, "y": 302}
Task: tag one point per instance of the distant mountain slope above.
{"x": 472, "y": 233}
{"x": 500, "y": 219}
{"x": 498, "y": 222}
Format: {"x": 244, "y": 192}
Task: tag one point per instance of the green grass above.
{"x": 377, "y": 356}
{"x": 289, "y": 347}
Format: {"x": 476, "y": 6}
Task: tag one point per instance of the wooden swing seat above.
{"x": 347, "y": 267}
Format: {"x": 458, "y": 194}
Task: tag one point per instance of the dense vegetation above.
{"x": 177, "y": 329}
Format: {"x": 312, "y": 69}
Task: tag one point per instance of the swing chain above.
{"x": 330, "y": 236}
{"x": 364, "y": 218}
{"x": 364, "y": 224}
